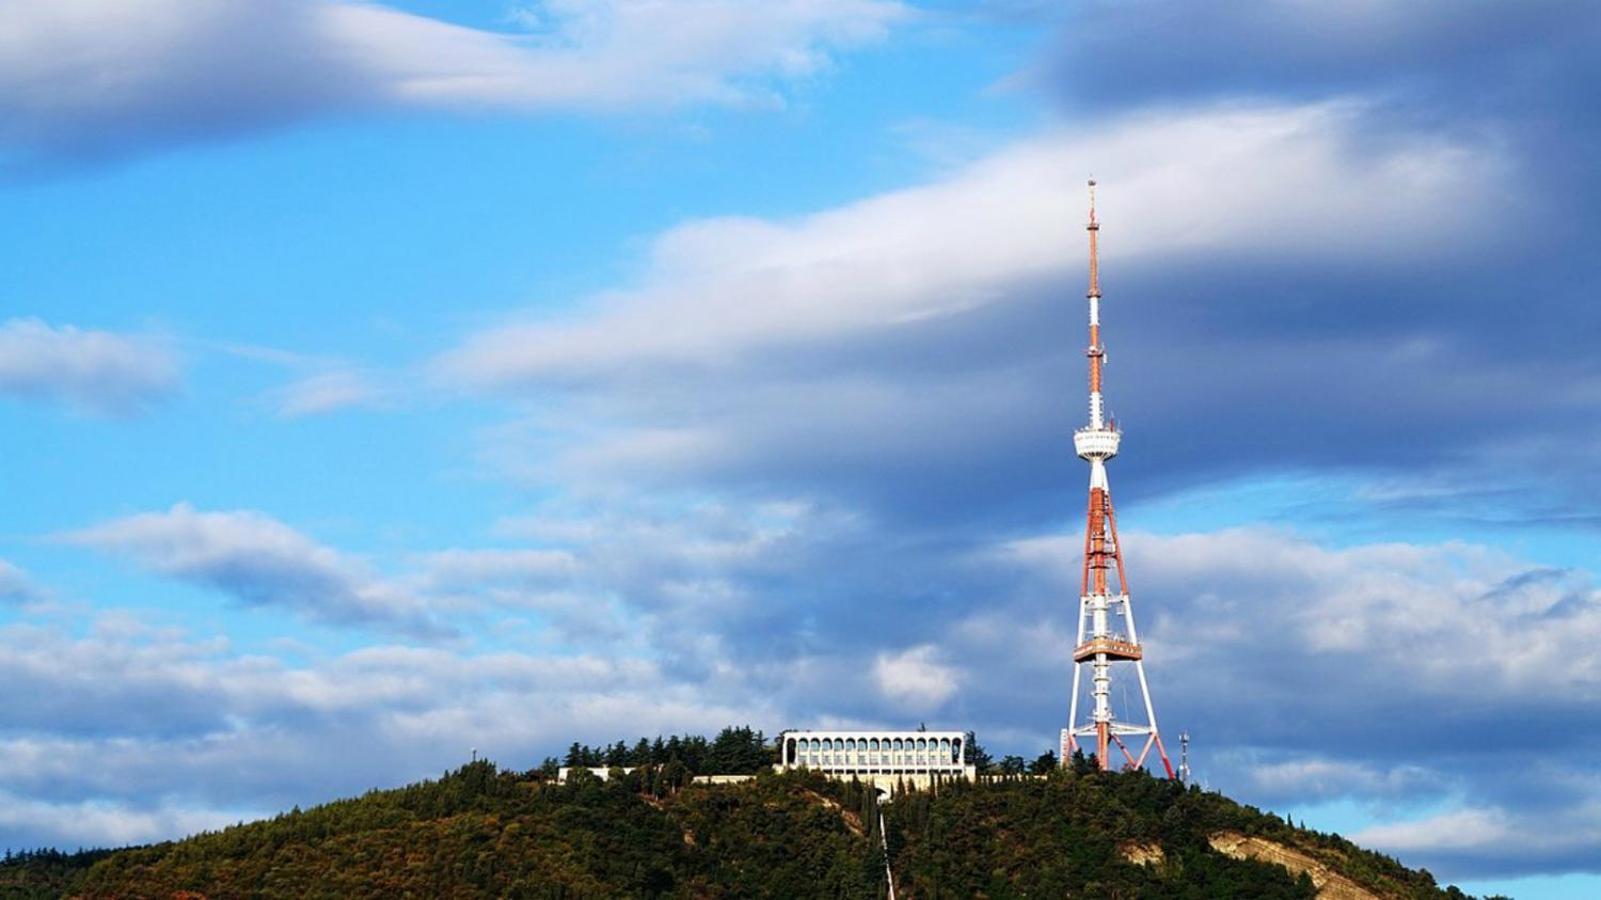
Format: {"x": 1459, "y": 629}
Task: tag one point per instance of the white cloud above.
{"x": 915, "y": 677}
{"x": 107, "y": 76}
{"x": 103, "y": 824}
{"x": 1478, "y": 841}
{"x": 758, "y": 615}
{"x": 1434, "y": 615}
{"x": 564, "y": 591}
{"x": 96, "y": 371}
{"x": 326, "y": 392}
{"x": 15, "y": 586}
{"x": 908, "y": 353}
{"x": 132, "y": 733}
{"x": 1274, "y": 619}
{"x": 1382, "y": 676}
{"x": 1456, "y": 830}
{"x": 259, "y": 560}
{"x": 1181, "y": 186}
{"x": 614, "y": 52}
{"x": 476, "y": 567}
{"x": 1309, "y": 779}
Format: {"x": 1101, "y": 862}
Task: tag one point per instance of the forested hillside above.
{"x": 484, "y": 832}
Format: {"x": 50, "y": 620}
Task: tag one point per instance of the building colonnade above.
{"x": 869, "y": 752}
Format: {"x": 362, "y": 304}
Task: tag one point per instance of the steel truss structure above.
{"x": 1099, "y": 647}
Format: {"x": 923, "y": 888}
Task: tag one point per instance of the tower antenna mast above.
{"x": 1099, "y": 648}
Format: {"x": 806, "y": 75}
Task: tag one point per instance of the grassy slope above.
{"x": 482, "y": 833}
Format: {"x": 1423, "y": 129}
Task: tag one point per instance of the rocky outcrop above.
{"x": 1330, "y": 884}
{"x": 1142, "y": 854}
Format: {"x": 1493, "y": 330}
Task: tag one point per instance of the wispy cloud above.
{"x": 326, "y": 392}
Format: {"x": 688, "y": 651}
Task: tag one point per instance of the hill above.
{"x": 482, "y": 832}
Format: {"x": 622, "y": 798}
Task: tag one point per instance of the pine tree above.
{"x": 1045, "y": 764}
{"x": 977, "y": 756}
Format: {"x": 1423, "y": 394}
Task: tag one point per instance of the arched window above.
{"x": 956, "y": 751}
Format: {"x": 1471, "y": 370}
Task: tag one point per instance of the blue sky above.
{"x": 383, "y": 381}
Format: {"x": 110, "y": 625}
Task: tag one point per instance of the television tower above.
{"x": 1099, "y": 647}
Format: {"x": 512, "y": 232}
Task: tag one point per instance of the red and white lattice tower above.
{"x": 1101, "y": 646}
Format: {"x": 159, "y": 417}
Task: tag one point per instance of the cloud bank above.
{"x": 907, "y": 351}
{"x": 105, "y": 78}
{"x": 1294, "y": 665}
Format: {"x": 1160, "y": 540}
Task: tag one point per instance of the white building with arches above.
{"x": 913, "y": 756}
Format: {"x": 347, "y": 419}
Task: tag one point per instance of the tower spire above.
{"x": 1096, "y": 353}
{"x": 1095, "y": 261}
{"x": 1099, "y": 647}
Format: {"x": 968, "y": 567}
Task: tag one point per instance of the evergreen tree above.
{"x": 1044, "y": 764}
{"x": 977, "y": 756}
{"x": 1083, "y": 765}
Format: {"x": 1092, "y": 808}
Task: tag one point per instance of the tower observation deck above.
{"x": 1099, "y": 648}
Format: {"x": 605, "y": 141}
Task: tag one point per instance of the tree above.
{"x": 738, "y": 751}
{"x": 1012, "y": 765}
{"x": 1044, "y": 764}
{"x": 977, "y": 756}
{"x": 1083, "y": 765}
